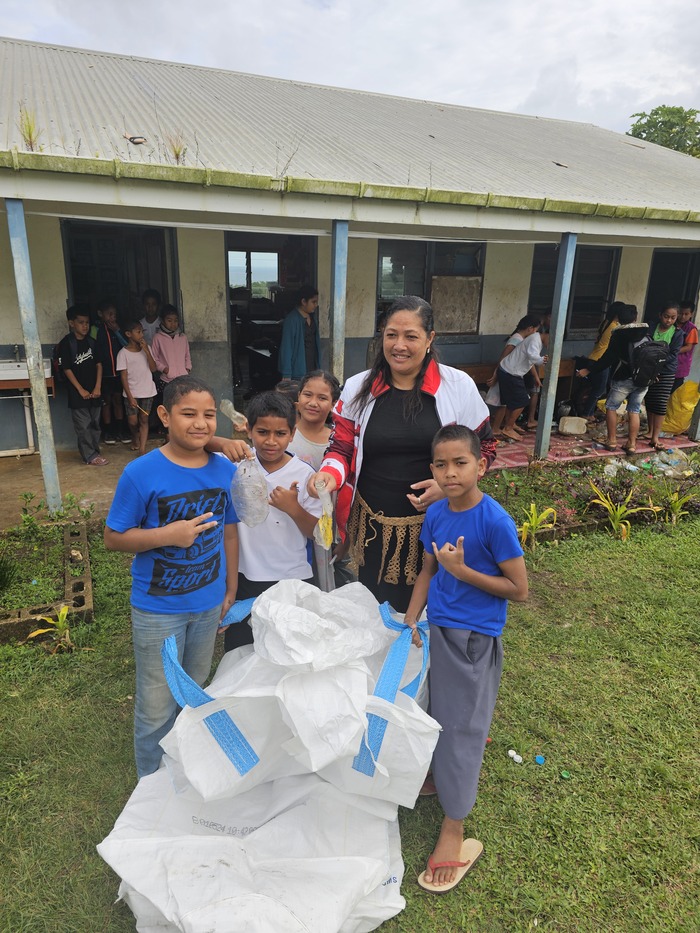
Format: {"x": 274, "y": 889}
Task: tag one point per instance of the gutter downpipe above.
{"x": 560, "y": 304}
{"x": 19, "y": 248}
{"x": 339, "y": 282}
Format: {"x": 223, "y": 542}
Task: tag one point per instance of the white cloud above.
{"x": 592, "y": 60}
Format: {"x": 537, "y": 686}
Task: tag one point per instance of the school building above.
{"x": 228, "y": 191}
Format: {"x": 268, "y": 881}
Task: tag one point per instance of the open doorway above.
{"x": 674, "y": 276}
{"x": 265, "y": 272}
{"x": 118, "y": 262}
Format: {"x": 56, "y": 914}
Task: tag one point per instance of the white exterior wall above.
{"x": 506, "y": 287}
{"x": 362, "y": 287}
{"x": 361, "y": 298}
{"x": 633, "y": 276}
{"x": 202, "y": 266}
{"x": 48, "y": 274}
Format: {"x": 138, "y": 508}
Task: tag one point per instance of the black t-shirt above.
{"x": 80, "y": 356}
{"x": 396, "y": 453}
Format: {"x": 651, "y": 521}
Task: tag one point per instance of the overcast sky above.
{"x": 595, "y": 61}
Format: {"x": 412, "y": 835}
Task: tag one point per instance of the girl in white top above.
{"x": 318, "y": 392}
{"x": 511, "y": 371}
{"x": 525, "y": 327}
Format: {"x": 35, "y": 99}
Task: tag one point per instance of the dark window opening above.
{"x": 592, "y": 288}
{"x": 117, "y": 262}
{"x": 448, "y": 275}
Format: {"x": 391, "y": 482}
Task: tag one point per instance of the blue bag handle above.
{"x": 187, "y": 692}
{"x": 238, "y": 612}
{"x": 388, "y": 685}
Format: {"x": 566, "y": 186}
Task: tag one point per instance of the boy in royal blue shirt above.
{"x": 473, "y": 564}
{"x": 172, "y": 508}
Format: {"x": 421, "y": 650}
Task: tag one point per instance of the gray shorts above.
{"x": 145, "y": 404}
{"x": 465, "y": 672}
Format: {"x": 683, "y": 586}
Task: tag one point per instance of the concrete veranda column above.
{"x": 339, "y": 283}
{"x": 560, "y": 305}
{"x": 19, "y": 248}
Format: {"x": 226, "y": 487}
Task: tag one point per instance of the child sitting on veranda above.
{"x": 173, "y": 510}
{"x": 473, "y": 565}
{"x": 277, "y": 548}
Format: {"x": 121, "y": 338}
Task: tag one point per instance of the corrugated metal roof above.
{"x": 84, "y": 102}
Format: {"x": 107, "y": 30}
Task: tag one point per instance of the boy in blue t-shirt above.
{"x": 473, "y": 564}
{"x": 172, "y": 508}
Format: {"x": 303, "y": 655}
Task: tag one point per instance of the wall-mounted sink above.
{"x": 12, "y": 371}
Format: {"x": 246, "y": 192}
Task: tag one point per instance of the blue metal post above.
{"x": 339, "y": 282}
{"x": 694, "y": 376}
{"x": 562, "y": 291}
{"x": 32, "y": 348}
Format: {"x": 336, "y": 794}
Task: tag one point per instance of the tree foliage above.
{"x": 672, "y": 127}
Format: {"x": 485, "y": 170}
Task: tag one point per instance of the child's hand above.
{"x": 415, "y": 637}
{"x": 84, "y": 393}
{"x": 186, "y": 531}
{"x": 451, "y": 556}
{"x": 236, "y": 450}
{"x": 286, "y": 500}
{"x": 229, "y": 600}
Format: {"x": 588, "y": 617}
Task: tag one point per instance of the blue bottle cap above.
{"x": 539, "y": 759}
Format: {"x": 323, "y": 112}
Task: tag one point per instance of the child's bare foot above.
{"x": 513, "y": 435}
{"x": 447, "y": 849}
{"x": 531, "y": 425}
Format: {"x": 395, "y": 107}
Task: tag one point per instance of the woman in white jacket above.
{"x": 379, "y": 452}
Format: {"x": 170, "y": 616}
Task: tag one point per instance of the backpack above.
{"x": 56, "y": 368}
{"x": 647, "y": 360}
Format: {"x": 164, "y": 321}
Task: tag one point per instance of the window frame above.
{"x": 429, "y": 271}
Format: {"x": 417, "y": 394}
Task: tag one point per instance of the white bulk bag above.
{"x": 394, "y": 755}
{"x": 252, "y": 725}
{"x": 291, "y": 855}
{"x": 293, "y": 721}
{"x": 298, "y": 626}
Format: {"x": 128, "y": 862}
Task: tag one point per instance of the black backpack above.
{"x": 647, "y": 360}
{"x": 56, "y": 367}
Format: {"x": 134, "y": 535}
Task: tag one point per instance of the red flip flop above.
{"x": 471, "y": 852}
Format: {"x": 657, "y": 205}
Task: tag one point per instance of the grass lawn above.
{"x": 601, "y": 678}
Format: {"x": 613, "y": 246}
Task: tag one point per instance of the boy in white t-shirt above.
{"x": 136, "y": 365}
{"x": 276, "y": 549}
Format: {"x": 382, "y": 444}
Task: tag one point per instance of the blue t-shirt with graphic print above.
{"x": 490, "y": 537}
{"x": 152, "y": 492}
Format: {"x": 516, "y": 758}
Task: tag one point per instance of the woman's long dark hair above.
{"x": 413, "y": 403}
{"x": 530, "y": 320}
{"x": 611, "y": 315}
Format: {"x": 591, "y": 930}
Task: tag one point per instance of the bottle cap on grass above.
{"x": 518, "y": 759}
{"x": 489, "y": 740}
{"x": 540, "y": 759}
{"x": 512, "y": 753}
{"x": 565, "y": 775}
